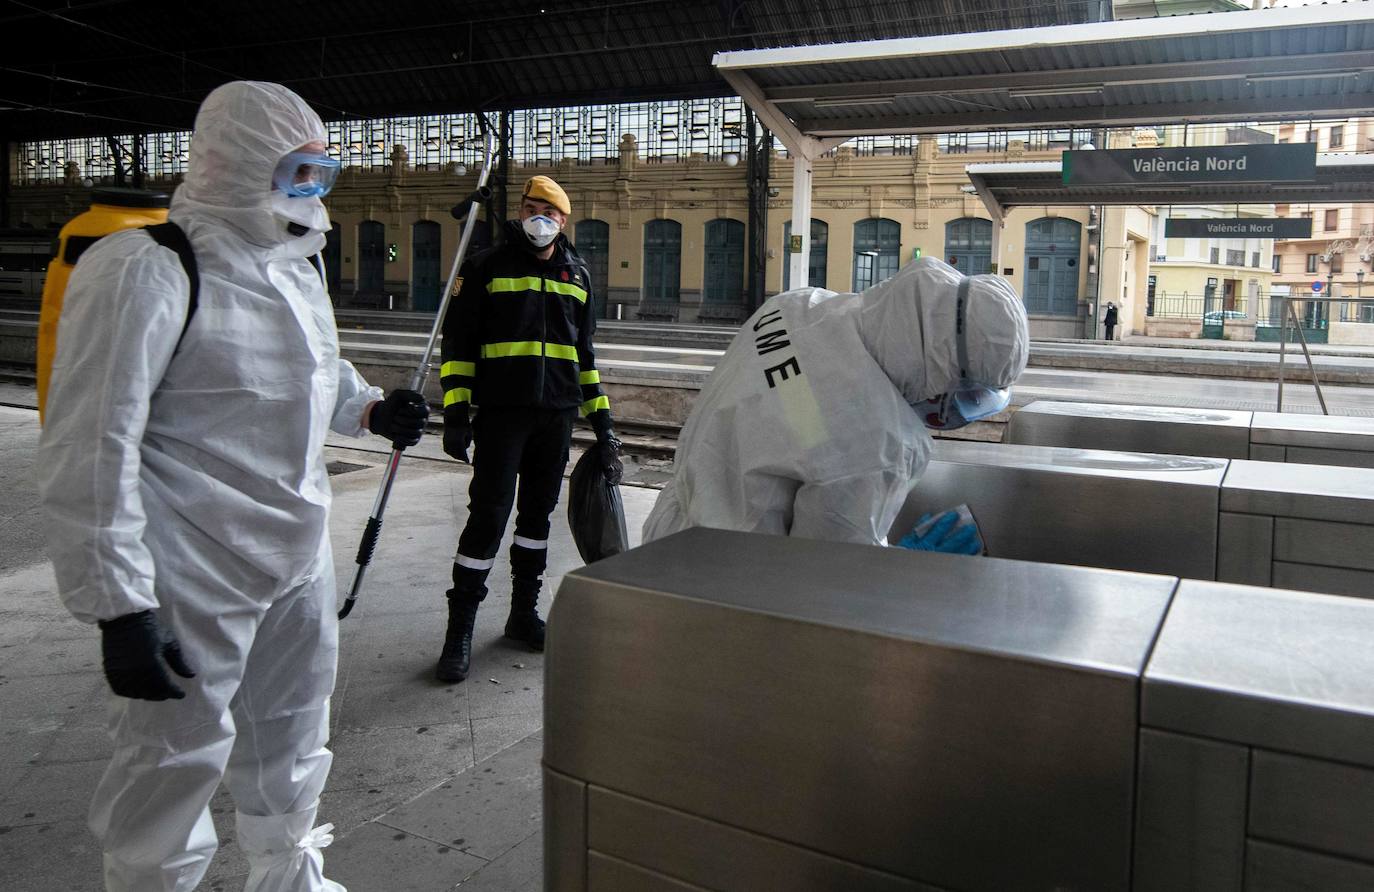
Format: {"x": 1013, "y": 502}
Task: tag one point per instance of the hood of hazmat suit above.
{"x": 807, "y": 427}
{"x": 227, "y": 435}
{"x": 191, "y": 480}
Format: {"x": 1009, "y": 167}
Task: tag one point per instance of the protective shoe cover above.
{"x": 194, "y": 484}
{"x": 284, "y": 851}
{"x": 807, "y": 427}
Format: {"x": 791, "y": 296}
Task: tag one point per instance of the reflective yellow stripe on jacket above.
{"x": 529, "y": 348}
{"x": 536, "y": 283}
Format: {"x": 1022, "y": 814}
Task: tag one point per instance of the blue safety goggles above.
{"x": 306, "y": 174}
{"x": 968, "y": 402}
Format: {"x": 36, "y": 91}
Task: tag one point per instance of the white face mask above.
{"x": 307, "y": 212}
{"x": 540, "y": 230}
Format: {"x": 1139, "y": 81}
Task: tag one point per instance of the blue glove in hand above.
{"x": 944, "y": 536}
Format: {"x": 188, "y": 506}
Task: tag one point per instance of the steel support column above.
{"x": 801, "y": 222}
{"x": 117, "y": 152}
{"x": 138, "y": 161}
{"x": 499, "y": 206}
{"x": 6, "y": 165}
{"x": 803, "y": 150}
{"x": 760, "y": 149}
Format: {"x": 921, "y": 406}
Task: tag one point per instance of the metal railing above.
{"x": 1288, "y": 312}
{"x": 1315, "y": 312}
{"x": 1190, "y": 305}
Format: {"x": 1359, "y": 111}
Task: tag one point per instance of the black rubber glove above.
{"x": 608, "y": 444}
{"x": 457, "y": 432}
{"x": 133, "y": 648}
{"x": 400, "y": 418}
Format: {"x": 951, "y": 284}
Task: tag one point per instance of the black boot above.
{"x": 524, "y": 623}
{"x": 463, "y": 600}
{"x": 526, "y": 575}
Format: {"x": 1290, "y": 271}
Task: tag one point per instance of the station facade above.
{"x": 666, "y": 235}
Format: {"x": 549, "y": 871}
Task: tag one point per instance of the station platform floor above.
{"x": 433, "y": 785}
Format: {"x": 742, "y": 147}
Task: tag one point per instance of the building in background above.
{"x": 1339, "y": 254}
{"x": 661, "y": 214}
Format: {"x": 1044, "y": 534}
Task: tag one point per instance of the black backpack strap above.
{"x": 170, "y": 235}
{"x": 317, "y": 262}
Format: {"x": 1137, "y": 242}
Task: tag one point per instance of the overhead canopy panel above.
{"x": 84, "y": 67}
{"x": 1340, "y": 179}
{"x": 1262, "y": 65}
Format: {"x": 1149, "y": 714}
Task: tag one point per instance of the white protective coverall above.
{"x": 195, "y": 484}
{"x": 806, "y": 426}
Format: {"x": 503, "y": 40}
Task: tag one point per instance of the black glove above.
{"x": 457, "y": 432}
{"x": 400, "y": 418}
{"x": 608, "y": 444}
{"x": 133, "y": 648}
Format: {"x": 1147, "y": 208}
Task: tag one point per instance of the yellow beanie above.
{"x": 545, "y": 189}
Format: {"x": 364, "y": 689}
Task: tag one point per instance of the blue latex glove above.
{"x": 944, "y": 537}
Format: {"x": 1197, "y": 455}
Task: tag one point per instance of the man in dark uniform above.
{"x": 518, "y": 343}
{"x": 1109, "y": 320}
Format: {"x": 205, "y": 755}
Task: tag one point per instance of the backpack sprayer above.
{"x": 465, "y": 208}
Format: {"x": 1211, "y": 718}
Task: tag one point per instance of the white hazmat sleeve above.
{"x": 125, "y": 307}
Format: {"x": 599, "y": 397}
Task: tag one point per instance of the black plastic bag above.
{"x": 595, "y": 513}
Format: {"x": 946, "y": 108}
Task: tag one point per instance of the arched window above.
{"x": 592, "y": 239}
{"x": 968, "y": 245}
{"x": 815, "y": 268}
{"x": 662, "y": 261}
{"x": 333, "y": 268}
{"x": 371, "y": 257}
{"x": 425, "y": 285}
{"x": 877, "y": 249}
{"x": 724, "y": 279}
{"x": 1052, "y": 272}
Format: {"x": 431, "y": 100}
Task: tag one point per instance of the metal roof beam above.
{"x": 1300, "y": 108}
{"x": 1216, "y": 25}
{"x": 995, "y": 208}
{"x": 1261, "y": 68}
{"x": 797, "y": 143}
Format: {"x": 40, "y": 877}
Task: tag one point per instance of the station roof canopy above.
{"x": 1262, "y": 65}
{"x": 1340, "y": 178}
{"x": 93, "y": 67}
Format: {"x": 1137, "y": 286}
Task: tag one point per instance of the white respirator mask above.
{"x": 540, "y": 230}
{"x": 307, "y": 212}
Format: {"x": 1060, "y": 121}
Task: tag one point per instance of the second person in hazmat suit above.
{"x": 187, "y": 501}
{"x": 814, "y": 423}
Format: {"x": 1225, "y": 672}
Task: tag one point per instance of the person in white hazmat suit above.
{"x": 814, "y": 422}
{"x": 187, "y": 501}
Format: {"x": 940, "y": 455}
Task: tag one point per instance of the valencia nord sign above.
{"x": 1247, "y": 227}
{"x": 1204, "y": 164}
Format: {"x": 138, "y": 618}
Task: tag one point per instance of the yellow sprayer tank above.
{"x": 111, "y": 210}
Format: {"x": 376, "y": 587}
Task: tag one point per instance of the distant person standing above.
{"x": 1109, "y": 320}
